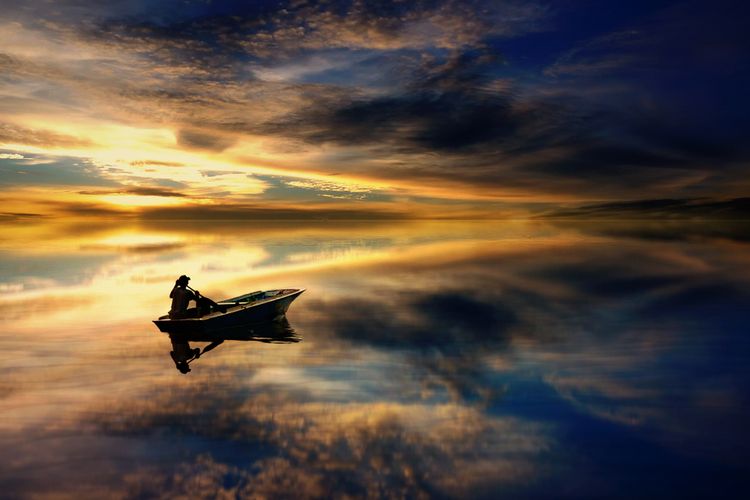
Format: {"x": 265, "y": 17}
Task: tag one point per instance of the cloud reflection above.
{"x": 365, "y": 450}
{"x": 448, "y": 359}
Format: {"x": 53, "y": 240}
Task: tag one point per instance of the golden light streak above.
{"x": 126, "y": 200}
{"x": 141, "y": 154}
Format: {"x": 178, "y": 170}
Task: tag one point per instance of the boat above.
{"x": 241, "y": 312}
{"x": 277, "y": 331}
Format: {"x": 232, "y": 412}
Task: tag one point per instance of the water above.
{"x": 425, "y": 359}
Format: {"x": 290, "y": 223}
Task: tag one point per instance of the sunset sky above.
{"x": 520, "y": 226}
{"x": 230, "y": 109}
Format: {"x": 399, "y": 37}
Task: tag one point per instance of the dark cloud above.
{"x": 153, "y": 191}
{"x": 444, "y": 109}
{"x": 145, "y": 248}
{"x": 454, "y": 120}
{"x": 140, "y": 191}
{"x": 265, "y": 29}
{"x": 447, "y": 122}
{"x": 606, "y": 160}
{"x": 201, "y": 140}
{"x": 707, "y": 209}
{"x": 83, "y": 209}
{"x": 255, "y": 212}
{"x": 16, "y": 216}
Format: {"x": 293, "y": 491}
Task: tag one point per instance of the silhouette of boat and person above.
{"x": 256, "y": 316}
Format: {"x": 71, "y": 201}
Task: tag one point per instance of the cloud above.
{"x": 200, "y": 140}
{"x": 136, "y": 248}
{"x": 138, "y": 190}
{"x": 445, "y": 109}
{"x": 454, "y": 121}
{"x": 15, "y": 216}
{"x": 217, "y": 173}
{"x": 601, "y": 55}
{"x": 328, "y": 186}
{"x": 81, "y": 209}
{"x": 13, "y": 134}
{"x": 360, "y": 451}
{"x": 266, "y": 31}
{"x": 397, "y": 25}
{"x": 240, "y": 211}
{"x": 222, "y": 106}
{"x": 415, "y": 95}
{"x": 156, "y": 163}
{"x": 38, "y": 171}
{"x": 700, "y": 208}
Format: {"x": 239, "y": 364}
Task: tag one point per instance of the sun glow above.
{"x": 132, "y": 201}
{"x": 135, "y": 155}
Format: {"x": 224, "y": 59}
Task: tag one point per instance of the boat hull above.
{"x": 238, "y": 315}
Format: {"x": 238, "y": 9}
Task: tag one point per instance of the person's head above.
{"x": 183, "y": 366}
{"x": 182, "y": 281}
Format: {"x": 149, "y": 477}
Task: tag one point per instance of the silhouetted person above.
{"x": 277, "y": 332}
{"x": 182, "y": 353}
{"x": 181, "y": 298}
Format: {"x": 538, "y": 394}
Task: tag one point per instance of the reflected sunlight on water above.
{"x": 425, "y": 359}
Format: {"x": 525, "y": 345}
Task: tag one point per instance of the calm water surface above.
{"x": 429, "y": 359}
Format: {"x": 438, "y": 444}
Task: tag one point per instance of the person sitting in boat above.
{"x": 181, "y": 296}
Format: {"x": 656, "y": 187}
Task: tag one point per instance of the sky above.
{"x": 350, "y": 109}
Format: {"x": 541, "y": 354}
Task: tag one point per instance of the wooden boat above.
{"x": 242, "y": 311}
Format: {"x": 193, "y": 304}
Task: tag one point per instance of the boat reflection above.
{"x": 278, "y": 331}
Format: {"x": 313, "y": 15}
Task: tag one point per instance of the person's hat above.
{"x": 183, "y": 278}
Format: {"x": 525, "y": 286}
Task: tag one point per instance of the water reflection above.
{"x": 278, "y": 331}
{"x": 529, "y": 359}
